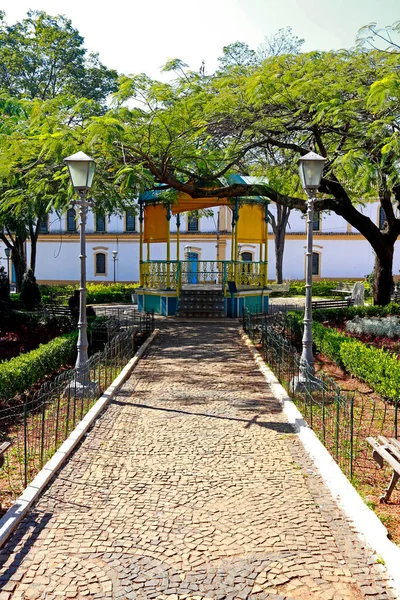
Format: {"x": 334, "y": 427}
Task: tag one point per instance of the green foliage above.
{"x": 30, "y": 292}
{"x": 322, "y": 287}
{"x": 19, "y": 374}
{"x": 339, "y": 315}
{"x": 43, "y": 56}
{"x": 378, "y": 368}
{"x": 329, "y": 341}
{"x": 98, "y": 293}
{"x": 378, "y": 327}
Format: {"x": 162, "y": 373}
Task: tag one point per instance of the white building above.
{"x": 340, "y": 252}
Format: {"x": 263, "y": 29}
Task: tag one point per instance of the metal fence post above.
{"x": 351, "y": 435}
{"x": 25, "y": 444}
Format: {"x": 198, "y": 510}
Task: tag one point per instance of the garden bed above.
{"x": 369, "y": 481}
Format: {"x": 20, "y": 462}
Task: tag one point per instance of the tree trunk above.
{"x": 279, "y": 225}
{"x": 34, "y": 234}
{"x": 18, "y": 256}
{"x": 279, "y": 249}
{"x": 383, "y": 277}
{"x": 19, "y": 261}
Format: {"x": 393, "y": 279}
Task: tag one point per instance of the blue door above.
{"x": 192, "y": 267}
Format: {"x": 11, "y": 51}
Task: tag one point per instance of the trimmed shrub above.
{"x": 99, "y": 293}
{"x": 30, "y": 292}
{"x": 376, "y": 367}
{"x": 329, "y": 341}
{"x": 20, "y": 373}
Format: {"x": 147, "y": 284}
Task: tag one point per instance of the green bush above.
{"x": 378, "y": 368}
{"x": 329, "y": 341}
{"x": 96, "y": 293}
{"x": 99, "y": 293}
{"x": 20, "y": 373}
{"x": 339, "y": 315}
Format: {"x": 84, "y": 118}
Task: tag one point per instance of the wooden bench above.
{"x": 332, "y": 303}
{"x": 387, "y": 450}
{"x": 57, "y": 310}
{"x": 3, "y": 448}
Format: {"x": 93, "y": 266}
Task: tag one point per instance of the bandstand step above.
{"x": 201, "y": 303}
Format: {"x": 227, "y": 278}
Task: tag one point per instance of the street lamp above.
{"x": 114, "y": 257}
{"x": 7, "y": 252}
{"x": 311, "y": 167}
{"x": 81, "y": 169}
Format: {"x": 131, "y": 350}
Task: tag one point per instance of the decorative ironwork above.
{"x": 163, "y": 274}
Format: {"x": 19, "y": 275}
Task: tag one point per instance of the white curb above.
{"x": 366, "y": 522}
{"x": 31, "y": 493}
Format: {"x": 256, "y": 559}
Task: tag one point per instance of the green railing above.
{"x": 163, "y": 274}
{"x": 37, "y": 427}
{"x": 341, "y": 420}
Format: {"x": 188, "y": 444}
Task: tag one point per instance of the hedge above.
{"x": 19, "y": 374}
{"x": 344, "y": 314}
{"x": 376, "y": 367}
{"x": 96, "y": 293}
{"x": 99, "y": 293}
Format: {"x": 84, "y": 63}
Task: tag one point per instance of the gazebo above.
{"x": 242, "y": 284}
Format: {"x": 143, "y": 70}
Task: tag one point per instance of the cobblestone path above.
{"x": 190, "y": 485}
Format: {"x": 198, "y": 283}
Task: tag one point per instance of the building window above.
{"x": 316, "y": 223}
{"x": 193, "y": 221}
{"x": 315, "y": 263}
{"x": 130, "y": 221}
{"x": 71, "y": 219}
{"x": 246, "y": 256}
{"x": 44, "y": 225}
{"x": 382, "y": 217}
{"x": 100, "y": 222}
{"x": 100, "y": 263}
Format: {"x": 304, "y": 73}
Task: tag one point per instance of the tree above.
{"x": 43, "y": 56}
{"x": 336, "y": 103}
{"x": 282, "y": 42}
{"x": 30, "y": 292}
{"x": 49, "y": 87}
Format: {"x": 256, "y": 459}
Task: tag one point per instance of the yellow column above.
{"x": 141, "y": 245}
{"x": 169, "y": 247}
{"x": 266, "y": 254}
{"x": 236, "y": 241}
{"x": 178, "y": 235}
{"x": 148, "y": 250}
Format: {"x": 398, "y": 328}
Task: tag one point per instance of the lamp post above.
{"x": 7, "y": 252}
{"x": 114, "y": 257}
{"x": 81, "y": 169}
{"x": 310, "y": 166}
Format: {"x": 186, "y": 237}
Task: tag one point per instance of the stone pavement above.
{"x": 190, "y": 485}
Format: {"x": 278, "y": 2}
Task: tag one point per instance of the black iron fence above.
{"x": 38, "y": 425}
{"x": 341, "y": 419}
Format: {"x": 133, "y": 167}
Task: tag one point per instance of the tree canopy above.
{"x": 258, "y": 119}
{"x": 44, "y": 56}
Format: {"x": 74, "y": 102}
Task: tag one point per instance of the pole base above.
{"x": 305, "y": 383}
{"x": 76, "y": 388}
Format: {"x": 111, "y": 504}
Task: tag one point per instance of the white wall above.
{"x": 58, "y": 255}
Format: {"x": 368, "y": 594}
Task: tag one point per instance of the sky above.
{"x": 135, "y": 36}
